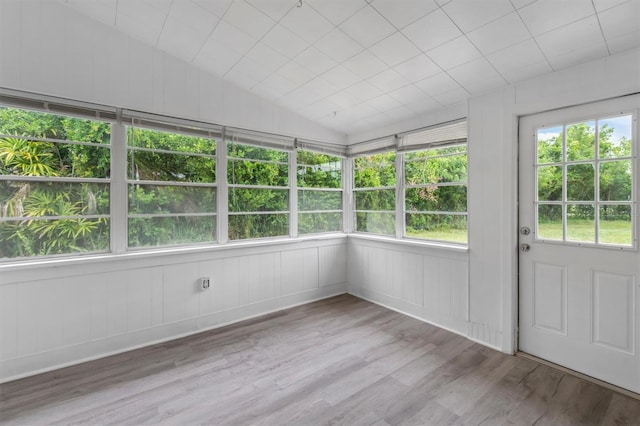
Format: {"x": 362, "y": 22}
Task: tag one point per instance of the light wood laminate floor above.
{"x": 337, "y": 361}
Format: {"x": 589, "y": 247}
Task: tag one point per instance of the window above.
{"x": 374, "y": 193}
{"x": 258, "y": 180}
{"x": 435, "y": 194}
{"x": 54, "y": 184}
{"x": 319, "y": 179}
{"x": 584, "y": 180}
{"x": 172, "y": 188}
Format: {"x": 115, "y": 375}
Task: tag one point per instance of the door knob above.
{"x": 524, "y": 247}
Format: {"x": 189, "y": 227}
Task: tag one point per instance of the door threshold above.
{"x": 623, "y": 391}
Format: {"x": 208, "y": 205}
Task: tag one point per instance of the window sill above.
{"x": 459, "y": 248}
{"x": 139, "y": 254}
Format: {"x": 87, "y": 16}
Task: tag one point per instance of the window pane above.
{"x": 616, "y": 225}
{"x": 550, "y": 183}
{"x": 581, "y": 141}
{"x": 319, "y": 170}
{"x": 155, "y": 139}
{"x": 237, "y": 150}
{"x": 614, "y": 137}
{"x": 319, "y": 200}
{"x": 162, "y": 231}
{"x": 581, "y": 224}
{"x": 244, "y": 172}
{"x": 258, "y": 200}
{"x": 22, "y": 238}
{"x": 310, "y": 223}
{"x": 437, "y": 198}
{"x": 375, "y": 170}
{"x": 152, "y": 199}
{"x": 376, "y": 199}
{"x": 550, "y": 145}
{"x": 258, "y": 226}
{"x": 376, "y": 223}
{"x": 15, "y": 121}
{"x": 33, "y": 199}
{"x": 580, "y": 182}
{"x": 451, "y": 168}
{"x": 160, "y": 166}
{"x": 442, "y": 227}
{"x": 550, "y": 222}
{"x": 615, "y": 181}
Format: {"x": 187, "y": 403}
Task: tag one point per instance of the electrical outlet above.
{"x": 205, "y": 282}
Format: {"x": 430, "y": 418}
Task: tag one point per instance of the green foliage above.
{"x": 25, "y": 206}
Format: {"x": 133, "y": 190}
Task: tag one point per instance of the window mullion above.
{"x": 222, "y": 195}
{"x": 399, "y": 195}
{"x": 293, "y": 194}
{"x": 119, "y": 190}
{"x": 347, "y": 195}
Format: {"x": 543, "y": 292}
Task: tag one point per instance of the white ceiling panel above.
{"x": 471, "y": 14}
{"x": 394, "y": 49}
{"x": 365, "y": 65}
{"x": 337, "y": 11}
{"x": 417, "y": 68}
{"x": 367, "y": 27}
{"x": 315, "y": 60}
{"x": 621, "y": 25}
{"x": 454, "y": 53}
{"x": 275, "y": 9}
{"x": 308, "y": 24}
{"x": 388, "y": 80}
{"x": 373, "y": 61}
{"x": 248, "y": 19}
{"x": 477, "y": 76}
{"x": 338, "y": 45}
{"x": 284, "y": 41}
{"x": 340, "y": 77}
{"x": 574, "y": 43}
{"x": 499, "y": 34}
{"x": 217, "y": 7}
{"x": 432, "y": 30}
{"x": 410, "y": 10}
{"x": 545, "y": 15}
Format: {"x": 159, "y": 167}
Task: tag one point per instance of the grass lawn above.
{"x": 611, "y": 231}
{"x": 442, "y": 234}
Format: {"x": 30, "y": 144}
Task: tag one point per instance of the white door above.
{"x": 579, "y": 265}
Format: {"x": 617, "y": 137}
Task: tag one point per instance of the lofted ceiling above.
{"x": 354, "y": 65}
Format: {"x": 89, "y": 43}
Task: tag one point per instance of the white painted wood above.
{"x": 59, "y": 315}
{"x": 578, "y": 303}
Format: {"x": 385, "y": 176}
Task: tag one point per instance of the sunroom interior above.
{"x": 210, "y": 161}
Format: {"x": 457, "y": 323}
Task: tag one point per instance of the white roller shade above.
{"x": 265, "y": 140}
{"x": 171, "y": 124}
{"x": 322, "y": 147}
{"x": 373, "y": 146}
{"x": 434, "y": 136}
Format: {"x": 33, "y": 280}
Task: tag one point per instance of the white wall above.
{"x": 48, "y": 48}
{"x": 492, "y": 206}
{"x": 69, "y": 311}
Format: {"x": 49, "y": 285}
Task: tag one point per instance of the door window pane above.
{"x": 615, "y": 180}
{"x": 615, "y": 225}
{"x": 580, "y": 182}
{"x": 550, "y": 183}
{"x": 581, "y": 141}
{"x": 550, "y": 145}
{"x": 614, "y": 137}
{"x": 550, "y": 222}
{"x": 581, "y": 224}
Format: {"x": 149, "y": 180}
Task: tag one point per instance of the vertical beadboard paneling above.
{"x": 116, "y": 303}
{"x": 444, "y": 286}
{"x": 76, "y": 309}
{"x": 27, "y": 317}
{"x": 333, "y": 264}
{"x": 140, "y": 298}
{"x": 179, "y": 285}
{"x": 50, "y": 304}
{"x": 412, "y": 288}
{"x": 299, "y": 270}
{"x": 8, "y": 321}
{"x": 99, "y": 318}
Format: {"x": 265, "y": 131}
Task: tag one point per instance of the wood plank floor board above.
{"x": 339, "y": 361}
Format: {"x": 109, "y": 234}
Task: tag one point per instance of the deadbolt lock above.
{"x": 525, "y": 230}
